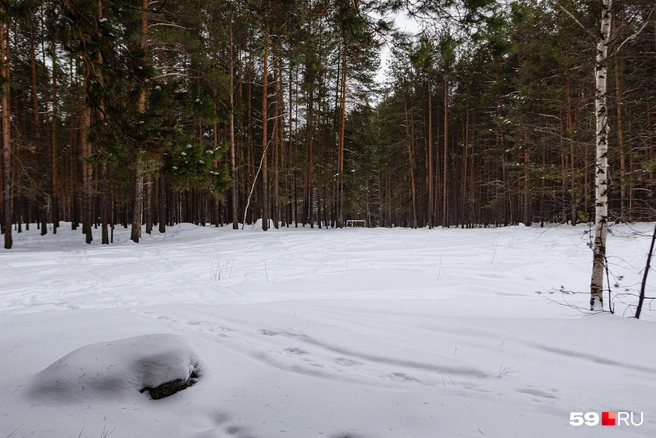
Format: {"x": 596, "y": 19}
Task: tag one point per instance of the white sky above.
{"x": 405, "y": 24}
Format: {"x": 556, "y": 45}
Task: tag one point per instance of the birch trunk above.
{"x": 601, "y": 167}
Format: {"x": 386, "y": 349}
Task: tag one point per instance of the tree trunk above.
{"x": 53, "y": 168}
{"x": 138, "y": 198}
{"x": 624, "y": 214}
{"x": 277, "y": 130}
{"x": 601, "y": 167}
{"x": 289, "y": 156}
{"x": 409, "y": 141}
{"x": 465, "y": 157}
{"x": 148, "y": 210}
{"x": 6, "y": 133}
{"x": 265, "y": 92}
{"x": 340, "y": 145}
{"x": 429, "y": 145}
{"x": 233, "y": 159}
{"x": 105, "y": 199}
{"x": 445, "y": 158}
{"x": 40, "y": 148}
{"x": 161, "y": 203}
{"x": 414, "y": 183}
{"x": 105, "y": 203}
{"x": 140, "y": 158}
{"x": 572, "y": 159}
{"x": 87, "y": 169}
{"x": 527, "y": 191}
{"x": 73, "y": 176}
{"x": 309, "y": 155}
{"x": 643, "y": 286}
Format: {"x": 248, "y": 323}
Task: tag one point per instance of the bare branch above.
{"x": 163, "y": 24}
{"x": 590, "y": 34}
{"x": 176, "y": 75}
{"x": 638, "y": 31}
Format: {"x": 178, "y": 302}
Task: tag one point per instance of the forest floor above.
{"x": 303, "y": 333}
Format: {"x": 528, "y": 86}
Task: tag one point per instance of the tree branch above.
{"x": 638, "y": 32}
{"x": 590, "y": 34}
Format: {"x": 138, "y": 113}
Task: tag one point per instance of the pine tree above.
{"x": 6, "y": 125}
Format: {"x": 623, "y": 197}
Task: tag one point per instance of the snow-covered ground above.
{"x": 302, "y": 333}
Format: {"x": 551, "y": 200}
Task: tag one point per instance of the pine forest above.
{"x": 145, "y": 114}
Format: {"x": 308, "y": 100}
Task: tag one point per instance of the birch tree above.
{"x": 601, "y": 167}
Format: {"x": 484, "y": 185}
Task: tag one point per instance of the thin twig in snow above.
{"x": 13, "y": 432}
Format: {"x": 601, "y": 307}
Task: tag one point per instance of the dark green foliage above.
{"x": 521, "y": 120}
{"x": 498, "y": 95}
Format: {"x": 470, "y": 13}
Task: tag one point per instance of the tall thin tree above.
{"x": 233, "y": 156}
{"x": 265, "y": 123}
{"x": 601, "y": 169}
{"x": 140, "y": 157}
{"x": 6, "y": 127}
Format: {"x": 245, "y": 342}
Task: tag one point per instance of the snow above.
{"x": 115, "y": 369}
{"x": 299, "y": 332}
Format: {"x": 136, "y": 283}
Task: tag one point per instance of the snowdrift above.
{"x": 159, "y": 364}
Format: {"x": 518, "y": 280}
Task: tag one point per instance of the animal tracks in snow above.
{"x": 292, "y": 350}
{"x": 296, "y": 352}
{"x": 304, "y": 354}
{"x": 592, "y": 358}
{"x": 332, "y": 349}
{"x": 347, "y": 362}
{"x": 402, "y": 377}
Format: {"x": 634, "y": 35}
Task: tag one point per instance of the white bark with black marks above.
{"x": 601, "y": 168}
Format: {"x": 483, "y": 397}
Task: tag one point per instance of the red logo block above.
{"x": 608, "y": 418}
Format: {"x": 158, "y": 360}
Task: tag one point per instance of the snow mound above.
{"x": 161, "y": 364}
{"x": 257, "y": 225}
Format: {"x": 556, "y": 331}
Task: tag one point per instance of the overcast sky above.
{"x": 405, "y": 24}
